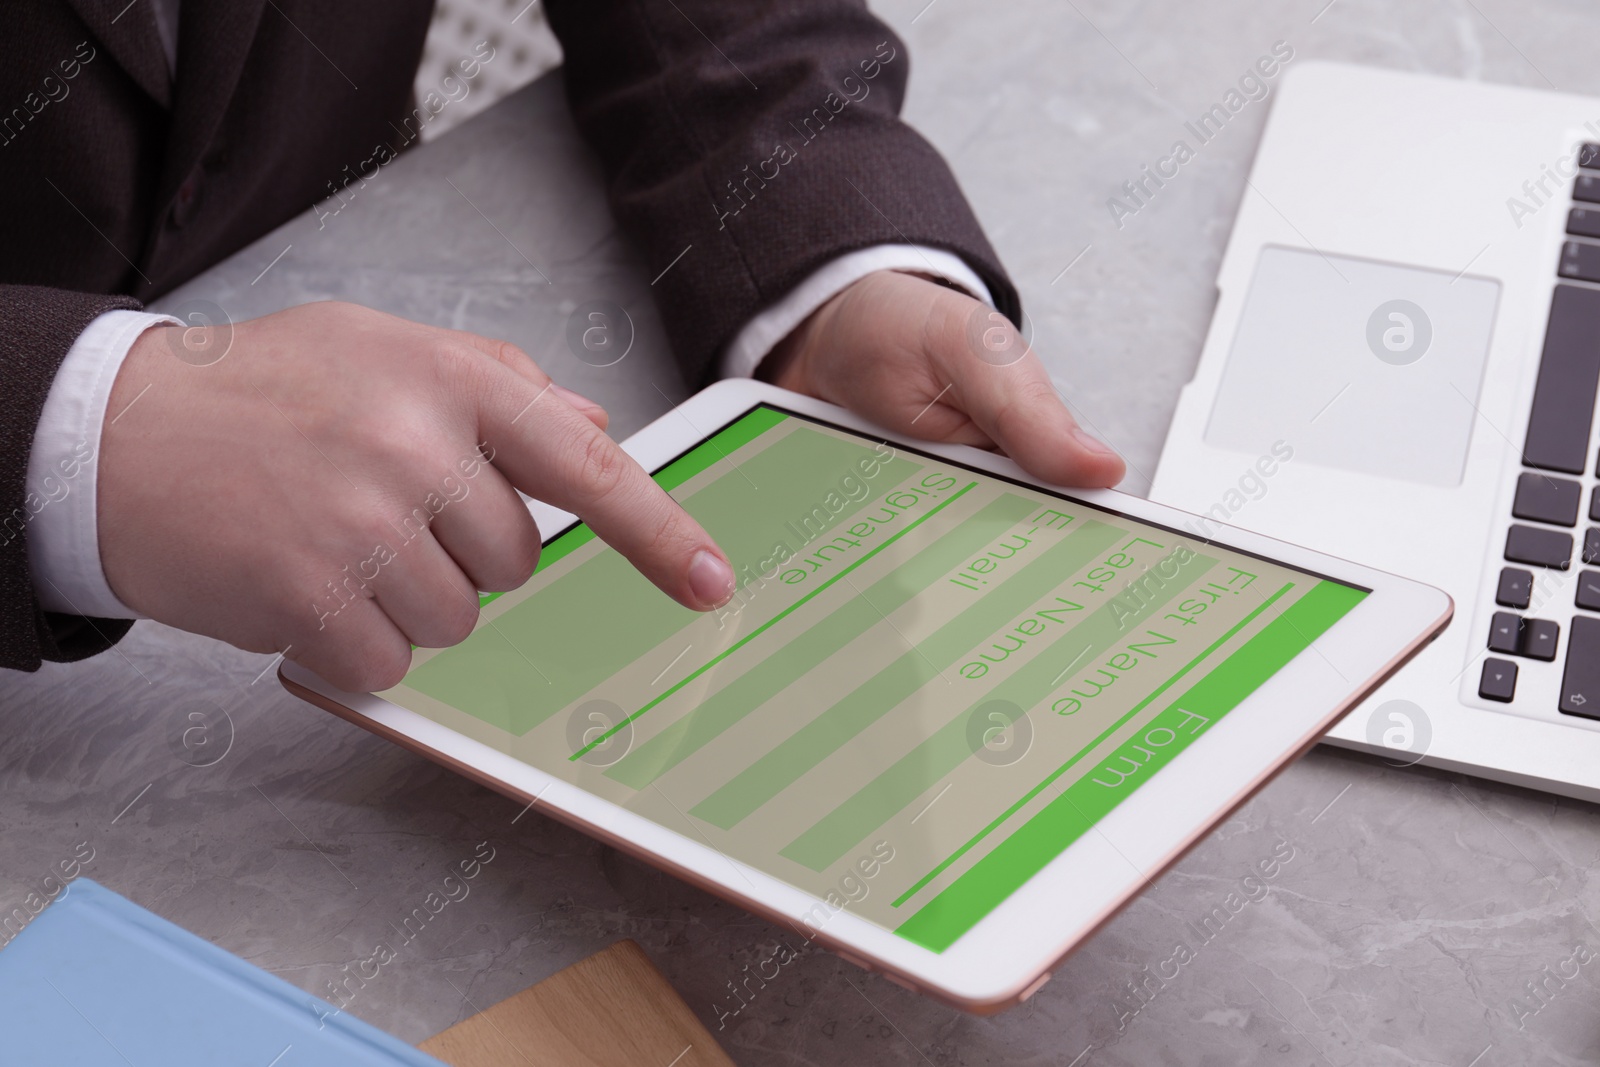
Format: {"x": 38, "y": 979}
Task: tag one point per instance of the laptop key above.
{"x": 1515, "y": 589}
{"x": 1589, "y": 156}
{"x": 1542, "y": 548}
{"x": 1594, "y": 505}
{"x": 1498, "y": 680}
{"x": 1580, "y": 683}
{"x": 1583, "y": 222}
{"x": 1539, "y": 639}
{"x": 1586, "y": 189}
{"x": 1588, "y": 597}
{"x": 1591, "y": 545}
{"x": 1569, "y": 371}
{"x": 1544, "y": 498}
{"x": 1580, "y": 261}
{"x": 1513, "y": 635}
{"x": 1505, "y": 631}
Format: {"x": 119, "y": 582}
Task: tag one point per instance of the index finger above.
{"x": 549, "y": 450}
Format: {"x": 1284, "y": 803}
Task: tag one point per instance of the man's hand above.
{"x": 323, "y": 488}
{"x": 929, "y": 362}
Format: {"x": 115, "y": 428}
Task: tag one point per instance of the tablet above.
{"x": 952, "y": 720}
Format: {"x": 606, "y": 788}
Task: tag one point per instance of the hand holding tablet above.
{"x": 951, "y": 719}
{"x": 931, "y": 362}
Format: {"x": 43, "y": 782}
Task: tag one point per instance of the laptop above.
{"x": 1401, "y": 370}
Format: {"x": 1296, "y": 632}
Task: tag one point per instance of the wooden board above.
{"x": 613, "y": 1009}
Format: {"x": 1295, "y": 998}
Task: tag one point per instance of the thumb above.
{"x": 1018, "y": 407}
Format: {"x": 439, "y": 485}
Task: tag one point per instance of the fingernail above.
{"x": 1092, "y": 443}
{"x": 575, "y": 399}
{"x": 710, "y": 578}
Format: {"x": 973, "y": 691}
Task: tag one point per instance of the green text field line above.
{"x": 903, "y": 677}
{"x": 743, "y": 696}
{"x": 949, "y": 747}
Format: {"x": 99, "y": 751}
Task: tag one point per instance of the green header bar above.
{"x": 959, "y": 907}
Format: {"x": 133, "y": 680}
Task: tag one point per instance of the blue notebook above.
{"x": 97, "y": 981}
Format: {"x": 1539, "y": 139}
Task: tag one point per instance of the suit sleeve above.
{"x": 746, "y": 143}
{"x": 39, "y": 326}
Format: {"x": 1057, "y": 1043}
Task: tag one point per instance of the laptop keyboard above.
{"x": 1551, "y": 532}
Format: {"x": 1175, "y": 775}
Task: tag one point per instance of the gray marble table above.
{"x": 1421, "y": 918}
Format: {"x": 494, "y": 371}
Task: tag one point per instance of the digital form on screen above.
{"x": 931, "y": 681}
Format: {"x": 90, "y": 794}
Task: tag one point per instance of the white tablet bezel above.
{"x": 1010, "y": 952}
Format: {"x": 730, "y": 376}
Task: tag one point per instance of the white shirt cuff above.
{"x": 63, "y": 531}
{"x": 746, "y": 351}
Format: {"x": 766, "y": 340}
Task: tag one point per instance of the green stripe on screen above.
{"x": 764, "y": 627}
{"x": 718, "y": 446}
{"x": 959, "y": 907}
{"x": 948, "y": 747}
{"x": 771, "y": 676}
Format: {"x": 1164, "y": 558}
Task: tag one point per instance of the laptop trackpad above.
{"x": 1364, "y": 366}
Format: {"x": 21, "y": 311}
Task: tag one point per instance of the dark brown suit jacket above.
{"x": 118, "y": 182}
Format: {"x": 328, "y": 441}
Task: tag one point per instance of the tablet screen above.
{"x": 930, "y": 682}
